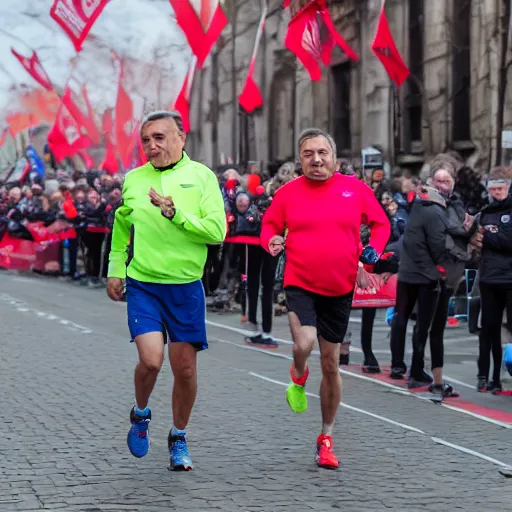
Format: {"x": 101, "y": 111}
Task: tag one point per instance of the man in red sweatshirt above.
{"x": 321, "y": 213}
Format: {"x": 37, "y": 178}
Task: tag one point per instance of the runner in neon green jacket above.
{"x": 167, "y": 251}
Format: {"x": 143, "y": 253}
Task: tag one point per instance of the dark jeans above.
{"x": 437, "y": 328}
{"x": 367, "y": 321}
{"x": 494, "y": 299}
{"x": 407, "y": 295}
{"x": 261, "y": 269}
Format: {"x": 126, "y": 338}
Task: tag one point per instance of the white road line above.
{"x": 315, "y": 352}
{"x": 346, "y": 406}
{"x": 437, "y": 440}
{"x": 23, "y": 307}
{"x": 243, "y": 332}
{"x": 378, "y": 382}
{"x": 471, "y": 452}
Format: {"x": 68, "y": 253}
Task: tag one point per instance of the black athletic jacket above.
{"x": 496, "y": 262}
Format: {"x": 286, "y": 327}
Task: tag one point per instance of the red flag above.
{"x": 34, "y": 68}
{"x": 124, "y": 125}
{"x": 250, "y": 99}
{"x": 312, "y": 36}
{"x": 286, "y": 3}
{"x": 203, "y": 28}
{"x": 91, "y": 115}
{"x": 76, "y": 17}
{"x": 182, "y": 103}
{"x": 110, "y": 162}
{"x": 386, "y": 51}
{"x": 66, "y": 138}
{"x": 107, "y": 124}
{"x": 80, "y": 117}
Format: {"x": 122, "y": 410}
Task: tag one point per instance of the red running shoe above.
{"x": 324, "y": 456}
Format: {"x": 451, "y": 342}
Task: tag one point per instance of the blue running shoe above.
{"x": 178, "y": 452}
{"x": 138, "y": 435}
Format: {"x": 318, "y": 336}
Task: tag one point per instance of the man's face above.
{"x": 443, "y": 182}
{"x": 317, "y": 159}
{"x": 162, "y": 141}
{"x": 499, "y": 191}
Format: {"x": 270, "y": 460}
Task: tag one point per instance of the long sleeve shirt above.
{"x": 322, "y": 220}
{"x": 167, "y": 251}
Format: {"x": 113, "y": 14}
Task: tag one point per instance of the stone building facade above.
{"x": 457, "y": 52}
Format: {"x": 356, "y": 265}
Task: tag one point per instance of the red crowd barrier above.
{"x": 383, "y": 296}
{"x": 41, "y": 254}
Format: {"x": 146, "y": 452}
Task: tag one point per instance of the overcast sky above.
{"x": 135, "y": 28}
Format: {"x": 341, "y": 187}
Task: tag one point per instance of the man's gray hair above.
{"x": 311, "y": 133}
{"x": 164, "y": 114}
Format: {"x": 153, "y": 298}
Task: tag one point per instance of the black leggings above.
{"x": 407, "y": 295}
{"x": 437, "y": 328}
{"x": 261, "y": 268}
{"x": 494, "y": 299}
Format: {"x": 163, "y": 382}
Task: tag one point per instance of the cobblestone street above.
{"x": 67, "y": 389}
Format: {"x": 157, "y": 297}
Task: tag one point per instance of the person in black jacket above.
{"x": 458, "y": 236}
{"x": 494, "y": 238}
{"x": 422, "y": 267}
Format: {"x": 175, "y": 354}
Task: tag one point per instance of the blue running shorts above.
{"x": 176, "y": 310}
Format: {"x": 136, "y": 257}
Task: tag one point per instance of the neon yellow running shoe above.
{"x": 296, "y": 397}
{"x": 296, "y": 391}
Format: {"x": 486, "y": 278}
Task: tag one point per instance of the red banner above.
{"x": 76, "y": 17}
{"x": 202, "y": 27}
{"x": 250, "y": 98}
{"x": 42, "y": 254}
{"x": 386, "y": 51}
{"x": 17, "y": 254}
{"x": 379, "y": 296}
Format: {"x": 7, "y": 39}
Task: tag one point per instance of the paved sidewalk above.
{"x": 67, "y": 388}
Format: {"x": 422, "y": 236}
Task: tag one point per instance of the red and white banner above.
{"x": 76, "y": 17}
{"x": 312, "y": 36}
{"x": 380, "y": 295}
{"x": 202, "y": 21}
{"x": 34, "y": 68}
{"x": 386, "y": 51}
{"x": 250, "y": 99}
{"x": 182, "y": 102}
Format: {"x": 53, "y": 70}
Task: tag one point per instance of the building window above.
{"x": 340, "y": 113}
{"x": 413, "y": 97}
{"x": 461, "y": 70}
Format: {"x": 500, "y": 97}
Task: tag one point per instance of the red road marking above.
{"x": 455, "y": 402}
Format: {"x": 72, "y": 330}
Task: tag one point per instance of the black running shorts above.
{"x": 330, "y": 315}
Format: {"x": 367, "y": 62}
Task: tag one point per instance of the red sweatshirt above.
{"x": 323, "y": 220}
